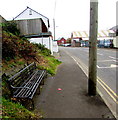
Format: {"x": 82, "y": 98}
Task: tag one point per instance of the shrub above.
{"x": 43, "y": 49}
{"x": 11, "y": 26}
{"x": 15, "y": 46}
{"x": 9, "y": 49}
{"x": 27, "y": 49}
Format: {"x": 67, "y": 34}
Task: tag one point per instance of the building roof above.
{"x": 115, "y": 28}
{"x": 85, "y": 34}
{"x": 29, "y": 13}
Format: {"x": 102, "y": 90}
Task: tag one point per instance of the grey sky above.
{"x": 70, "y": 15}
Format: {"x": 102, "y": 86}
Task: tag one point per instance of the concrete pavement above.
{"x": 65, "y": 94}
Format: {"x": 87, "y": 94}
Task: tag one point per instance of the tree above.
{"x": 68, "y": 40}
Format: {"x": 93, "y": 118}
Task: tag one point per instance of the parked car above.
{"x": 66, "y": 45}
{"x": 105, "y": 43}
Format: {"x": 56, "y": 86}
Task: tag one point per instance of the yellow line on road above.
{"x": 108, "y": 92}
{"x": 108, "y": 87}
{"x": 101, "y": 82}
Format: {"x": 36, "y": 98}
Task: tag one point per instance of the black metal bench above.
{"x": 23, "y": 85}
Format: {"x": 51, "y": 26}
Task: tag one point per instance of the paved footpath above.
{"x": 65, "y": 94}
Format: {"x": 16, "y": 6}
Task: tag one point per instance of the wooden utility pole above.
{"x": 92, "y": 80}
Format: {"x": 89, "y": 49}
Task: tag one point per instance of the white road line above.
{"x": 99, "y": 54}
{"x": 113, "y": 57}
{"x": 109, "y": 91}
{"x": 107, "y": 67}
{"x": 106, "y": 60}
{"x": 98, "y": 66}
{"x": 112, "y": 66}
{"x": 97, "y": 76}
{"x": 115, "y": 60}
{"x": 81, "y": 65}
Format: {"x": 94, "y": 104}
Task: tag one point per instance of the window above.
{"x": 30, "y": 12}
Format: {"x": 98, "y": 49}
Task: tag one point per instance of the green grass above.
{"x": 52, "y": 65}
{"x": 12, "y": 65}
{"x": 12, "y": 110}
{"x": 18, "y": 52}
{"x": 20, "y": 62}
{"x": 16, "y": 111}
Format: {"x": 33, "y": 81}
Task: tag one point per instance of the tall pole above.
{"x": 54, "y": 28}
{"x": 54, "y": 19}
{"x": 92, "y": 80}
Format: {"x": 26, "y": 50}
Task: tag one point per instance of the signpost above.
{"x": 92, "y": 80}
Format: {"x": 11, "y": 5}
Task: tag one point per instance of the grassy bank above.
{"x": 18, "y": 52}
{"x": 16, "y": 111}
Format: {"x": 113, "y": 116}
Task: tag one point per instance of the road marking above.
{"x": 106, "y": 67}
{"x": 113, "y": 57}
{"x": 106, "y": 60}
{"x": 108, "y": 92}
{"x": 108, "y": 87}
{"x": 99, "y": 54}
{"x": 103, "y": 84}
{"x": 111, "y": 66}
{"x": 98, "y": 66}
{"x": 115, "y": 60}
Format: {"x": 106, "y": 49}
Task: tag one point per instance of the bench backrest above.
{"x": 18, "y": 79}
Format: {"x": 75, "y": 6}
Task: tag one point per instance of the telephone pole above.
{"x": 54, "y": 28}
{"x": 92, "y": 80}
{"x": 54, "y": 19}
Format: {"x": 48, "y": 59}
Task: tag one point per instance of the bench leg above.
{"x": 32, "y": 102}
{"x": 30, "y": 105}
{"x": 38, "y": 90}
{"x": 42, "y": 82}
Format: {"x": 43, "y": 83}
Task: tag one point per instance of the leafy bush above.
{"x": 11, "y": 26}
{"x": 43, "y": 49}
{"x": 27, "y": 49}
{"x": 5, "y": 88}
{"x": 14, "y": 46}
{"x": 9, "y": 49}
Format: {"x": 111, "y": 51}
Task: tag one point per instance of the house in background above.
{"x": 32, "y": 23}
{"x": 76, "y": 38}
{"x": 61, "y": 41}
{"x": 35, "y": 26}
{"x": 104, "y": 38}
{"x": 81, "y": 38}
{"x": 115, "y": 36}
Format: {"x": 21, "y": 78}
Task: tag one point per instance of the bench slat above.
{"x": 25, "y": 83}
{"x": 33, "y": 84}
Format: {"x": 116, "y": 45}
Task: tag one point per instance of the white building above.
{"x": 47, "y": 42}
{"x": 35, "y": 26}
{"x": 83, "y": 37}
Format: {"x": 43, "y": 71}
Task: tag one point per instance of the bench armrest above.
{"x": 20, "y": 87}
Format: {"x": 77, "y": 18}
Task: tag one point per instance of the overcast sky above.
{"x": 70, "y": 15}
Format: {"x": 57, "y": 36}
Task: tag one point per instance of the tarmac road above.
{"x": 65, "y": 94}
{"x": 106, "y": 70}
